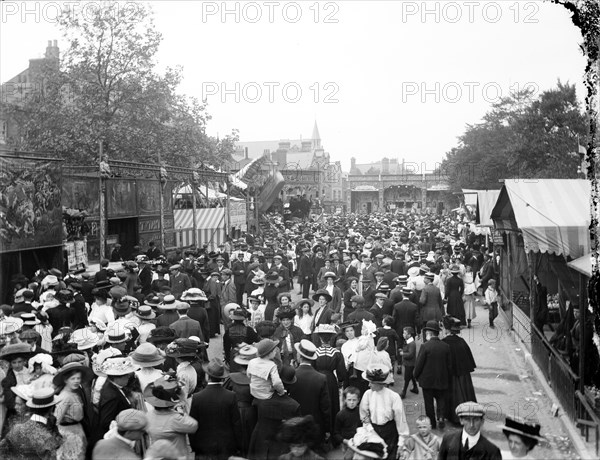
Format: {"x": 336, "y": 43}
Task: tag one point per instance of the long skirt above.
{"x": 389, "y": 433}
{"x": 461, "y": 390}
{"x": 357, "y": 381}
{"x": 456, "y": 307}
{"x": 74, "y": 442}
{"x": 469, "y": 301}
{"x": 213, "y": 312}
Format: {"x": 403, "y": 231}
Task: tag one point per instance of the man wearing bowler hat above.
{"x": 468, "y": 443}
{"x": 432, "y": 370}
{"x": 219, "y": 432}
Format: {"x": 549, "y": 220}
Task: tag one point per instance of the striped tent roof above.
{"x": 552, "y": 214}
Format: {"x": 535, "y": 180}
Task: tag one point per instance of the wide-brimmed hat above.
{"x": 455, "y": 269}
{"x": 216, "y": 368}
{"x": 145, "y": 312}
{"x": 116, "y": 334}
{"x": 348, "y": 324}
{"x": 146, "y": 355}
{"x": 286, "y": 313}
{"x": 527, "y": 428}
{"x": 266, "y": 346}
{"x": 119, "y": 366}
{"x": 161, "y": 335}
{"x": 169, "y": 303}
{"x": 331, "y": 275}
{"x": 122, "y": 306}
{"x": 325, "y": 329}
{"x": 101, "y": 357}
{"x": 322, "y": 292}
{"x": 301, "y": 302}
{"x": 432, "y": 326}
{"x": 10, "y": 325}
{"x": 15, "y": 350}
{"x": 84, "y": 339}
{"x": 183, "y": 347}
{"x": 368, "y": 443}
{"x": 98, "y": 323}
{"x": 232, "y": 307}
{"x": 253, "y": 298}
{"x": 245, "y": 355}
{"x": 194, "y": 295}
{"x": 306, "y": 348}
{"x": 41, "y": 398}
{"x": 273, "y": 278}
{"x": 86, "y": 372}
{"x": 163, "y": 392}
{"x": 378, "y": 373}
{"x": 152, "y": 301}
{"x": 258, "y": 280}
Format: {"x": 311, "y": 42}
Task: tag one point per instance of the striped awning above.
{"x": 552, "y": 214}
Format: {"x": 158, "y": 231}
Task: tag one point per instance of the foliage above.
{"x": 521, "y": 137}
{"x": 108, "y": 90}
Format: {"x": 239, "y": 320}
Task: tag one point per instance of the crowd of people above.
{"x": 114, "y": 364}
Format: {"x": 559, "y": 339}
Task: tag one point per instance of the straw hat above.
{"x": 119, "y": 366}
{"x": 194, "y": 295}
{"x": 169, "y": 303}
{"x": 325, "y": 329}
{"x": 10, "y": 325}
{"x": 84, "y": 338}
{"x": 180, "y": 348}
{"x": 307, "y": 349}
{"x": 245, "y": 355}
{"x": 146, "y": 355}
{"x": 145, "y": 312}
{"x": 527, "y": 428}
{"x": 115, "y": 335}
{"x": 41, "y": 398}
{"x": 99, "y": 359}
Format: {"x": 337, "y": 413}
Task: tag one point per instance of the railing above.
{"x": 587, "y": 420}
{"x": 559, "y": 375}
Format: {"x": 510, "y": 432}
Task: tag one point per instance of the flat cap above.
{"x": 131, "y": 420}
{"x": 470, "y": 409}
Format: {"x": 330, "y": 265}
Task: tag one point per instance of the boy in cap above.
{"x": 131, "y": 426}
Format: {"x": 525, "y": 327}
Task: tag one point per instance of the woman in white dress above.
{"x": 469, "y": 294}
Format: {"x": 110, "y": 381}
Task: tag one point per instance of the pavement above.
{"x": 506, "y": 383}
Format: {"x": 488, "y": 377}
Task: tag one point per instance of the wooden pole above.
{"x": 162, "y": 205}
{"x": 227, "y": 210}
{"x": 194, "y": 226}
{"x": 102, "y": 209}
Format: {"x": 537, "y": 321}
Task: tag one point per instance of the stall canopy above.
{"x": 552, "y": 214}
{"x": 486, "y": 200}
{"x": 582, "y": 265}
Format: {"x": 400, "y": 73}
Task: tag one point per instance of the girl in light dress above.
{"x": 469, "y": 294}
{"x": 304, "y": 317}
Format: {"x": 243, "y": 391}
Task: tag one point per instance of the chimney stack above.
{"x": 246, "y": 153}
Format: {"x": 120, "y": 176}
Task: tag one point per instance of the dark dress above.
{"x": 270, "y": 294}
{"x": 239, "y": 383}
{"x": 329, "y": 360}
{"x": 236, "y": 334}
{"x": 461, "y": 385}
{"x": 454, "y": 293}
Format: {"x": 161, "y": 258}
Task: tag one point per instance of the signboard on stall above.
{"x": 497, "y": 238}
{"x": 76, "y": 254}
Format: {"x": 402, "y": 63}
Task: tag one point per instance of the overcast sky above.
{"x": 381, "y": 78}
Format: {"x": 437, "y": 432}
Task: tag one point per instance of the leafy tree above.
{"x": 521, "y": 137}
{"x": 107, "y": 89}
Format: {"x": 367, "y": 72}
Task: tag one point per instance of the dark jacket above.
{"x": 405, "y": 315}
{"x": 60, "y": 316}
{"x": 310, "y": 390}
{"x": 112, "y": 401}
{"x": 433, "y": 367}
{"x": 198, "y": 313}
{"x": 451, "y": 448}
{"x": 219, "y": 427}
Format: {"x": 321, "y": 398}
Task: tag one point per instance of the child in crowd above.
{"x": 392, "y": 336}
{"x": 491, "y": 299}
{"x": 347, "y": 420}
{"x": 409, "y": 355}
{"x": 423, "y": 445}
{"x": 380, "y": 355}
{"x": 264, "y": 377}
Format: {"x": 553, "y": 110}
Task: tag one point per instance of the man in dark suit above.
{"x": 195, "y": 297}
{"x": 305, "y": 272}
{"x": 180, "y": 282}
{"x": 359, "y": 313}
{"x": 219, "y": 434}
{"x": 102, "y": 274}
{"x": 282, "y": 270}
{"x": 405, "y": 315}
{"x": 186, "y": 327}
{"x": 238, "y": 267}
{"x": 144, "y": 275}
{"x": 398, "y": 265}
{"x": 432, "y": 371}
{"x": 310, "y": 389}
{"x": 377, "y": 309}
{"x": 430, "y": 300}
{"x": 468, "y": 443}
{"x": 62, "y": 315}
{"x": 112, "y": 397}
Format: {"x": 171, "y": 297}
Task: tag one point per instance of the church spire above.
{"x": 316, "y": 137}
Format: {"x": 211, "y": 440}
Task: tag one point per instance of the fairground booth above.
{"x": 544, "y": 228}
